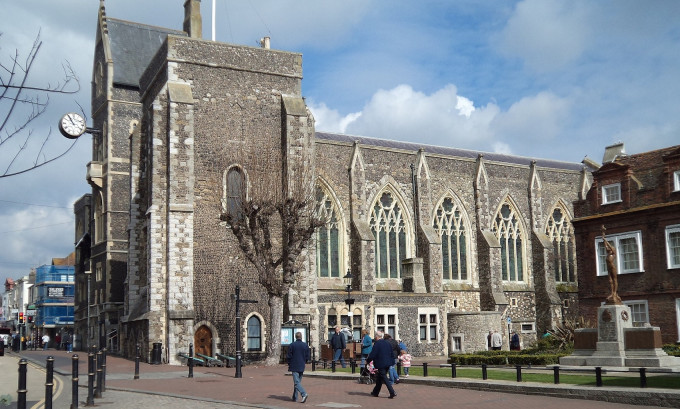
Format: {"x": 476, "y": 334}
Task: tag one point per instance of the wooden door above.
{"x": 203, "y": 341}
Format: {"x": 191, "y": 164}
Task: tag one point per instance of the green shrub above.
{"x": 499, "y": 358}
{"x": 672, "y": 349}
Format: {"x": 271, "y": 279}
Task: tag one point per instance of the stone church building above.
{"x": 442, "y": 244}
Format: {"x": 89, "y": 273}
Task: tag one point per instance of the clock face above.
{"x": 72, "y": 125}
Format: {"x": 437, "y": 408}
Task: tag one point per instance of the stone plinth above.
{"x": 618, "y": 343}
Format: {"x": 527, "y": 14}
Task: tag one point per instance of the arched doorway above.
{"x": 203, "y": 341}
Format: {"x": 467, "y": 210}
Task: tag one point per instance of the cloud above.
{"x": 536, "y": 118}
{"x": 546, "y": 34}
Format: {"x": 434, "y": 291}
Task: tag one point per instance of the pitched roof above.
{"x": 133, "y": 45}
{"x": 647, "y": 166}
{"x": 455, "y": 152}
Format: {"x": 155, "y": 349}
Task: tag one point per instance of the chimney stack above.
{"x": 265, "y": 43}
{"x": 614, "y": 151}
{"x": 193, "y": 24}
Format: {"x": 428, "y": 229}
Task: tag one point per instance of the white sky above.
{"x": 542, "y": 78}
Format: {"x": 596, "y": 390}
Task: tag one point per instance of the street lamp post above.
{"x": 349, "y": 300}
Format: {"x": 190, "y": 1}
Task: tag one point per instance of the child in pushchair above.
{"x": 367, "y": 373}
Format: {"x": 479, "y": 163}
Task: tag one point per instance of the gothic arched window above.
{"x": 235, "y": 193}
{"x": 449, "y": 224}
{"x": 98, "y": 218}
{"x": 559, "y": 231}
{"x": 508, "y": 230}
{"x": 327, "y": 237}
{"x": 389, "y": 229}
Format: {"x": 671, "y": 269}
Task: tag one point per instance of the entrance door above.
{"x": 203, "y": 341}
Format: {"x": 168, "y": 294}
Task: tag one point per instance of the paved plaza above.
{"x": 168, "y": 387}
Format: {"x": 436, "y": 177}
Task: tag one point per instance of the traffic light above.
{"x": 29, "y": 318}
{"x": 21, "y": 318}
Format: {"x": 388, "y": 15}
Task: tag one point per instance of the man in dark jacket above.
{"x": 382, "y": 359}
{"x": 298, "y": 355}
{"x": 396, "y": 350}
{"x": 338, "y": 344}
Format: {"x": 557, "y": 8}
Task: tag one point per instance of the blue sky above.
{"x": 541, "y": 78}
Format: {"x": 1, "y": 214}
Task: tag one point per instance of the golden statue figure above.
{"x": 611, "y": 269}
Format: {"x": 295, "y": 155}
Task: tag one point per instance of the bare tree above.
{"x": 273, "y": 226}
{"x": 21, "y": 103}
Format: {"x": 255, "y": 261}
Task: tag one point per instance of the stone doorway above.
{"x": 203, "y": 341}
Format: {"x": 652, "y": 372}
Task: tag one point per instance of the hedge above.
{"x": 507, "y": 358}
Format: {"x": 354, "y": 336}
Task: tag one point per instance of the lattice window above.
{"x": 508, "y": 230}
{"x": 450, "y": 226}
{"x": 561, "y": 233}
{"x": 389, "y": 228}
{"x": 254, "y": 340}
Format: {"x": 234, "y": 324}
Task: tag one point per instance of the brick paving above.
{"x": 270, "y": 387}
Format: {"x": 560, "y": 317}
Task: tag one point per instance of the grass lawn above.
{"x": 627, "y": 379}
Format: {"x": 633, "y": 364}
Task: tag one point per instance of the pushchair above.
{"x": 367, "y": 373}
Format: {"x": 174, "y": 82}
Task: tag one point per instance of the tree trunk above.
{"x": 276, "y": 320}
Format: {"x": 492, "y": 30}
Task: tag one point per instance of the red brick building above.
{"x": 637, "y": 198}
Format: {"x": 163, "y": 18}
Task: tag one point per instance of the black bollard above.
{"x": 90, "y": 379}
{"x": 556, "y": 374}
{"x": 353, "y": 365}
{"x": 313, "y": 365}
{"x": 399, "y": 368}
{"x": 424, "y": 368}
{"x": 333, "y": 365}
{"x": 74, "y": 382}
{"x": 191, "y": 360}
{"x": 484, "y": 372}
{"x": 453, "y": 370}
{"x": 137, "y": 363}
{"x": 21, "y": 390}
{"x": 98, "y": 388}
{"x": 518, "y": 368}
{"x": 103, "y": 388}
{"x": 643, "y": 377}
{"x": 598, "y": 376}
{"x": 49, "y": 382}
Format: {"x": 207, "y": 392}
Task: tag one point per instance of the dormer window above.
{"x": 611, "y": 193}
{"x": 676, "y": 181}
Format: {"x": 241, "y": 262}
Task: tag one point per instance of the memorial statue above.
{"x": 611, "y": 270}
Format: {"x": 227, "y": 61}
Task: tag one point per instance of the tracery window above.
{"x": 508, "y": 230}
{"x": 449, "y": 224}
{"x": 561, "y": 234}
{"x": 327, "y": 237}
{"x": 389, "y": 229}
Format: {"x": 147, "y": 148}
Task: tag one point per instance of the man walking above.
{"x": 338, "y": 344}
{"x": 382, "y": 358}
{"x": 298, "y": 355}
{"x": 396, "y": 350}
{"x": 45, "y": 341}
